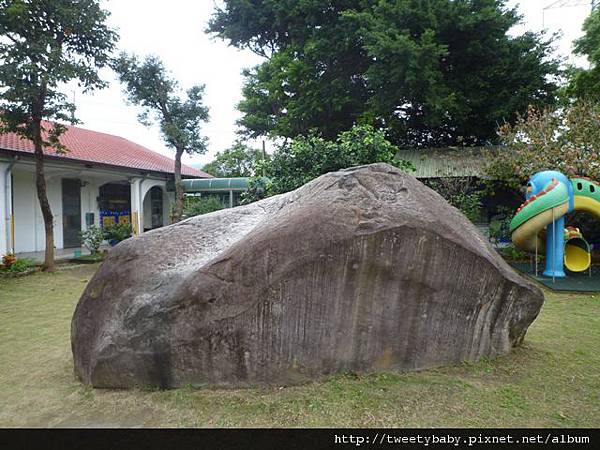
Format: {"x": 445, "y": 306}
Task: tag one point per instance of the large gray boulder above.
{"x": 363, "y": 270}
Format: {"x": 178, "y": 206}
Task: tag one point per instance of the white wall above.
{"x": 29, "y": 223}
{"x": 89, "y": 202}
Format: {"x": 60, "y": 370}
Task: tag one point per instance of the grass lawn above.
{"x": 553, "y": 380}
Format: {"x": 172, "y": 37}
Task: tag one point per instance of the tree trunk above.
{"x": 40, "y": 182}
{"x": 178, "y": 209}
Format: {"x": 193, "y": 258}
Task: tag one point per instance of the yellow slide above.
{"x": 577, "y": 251}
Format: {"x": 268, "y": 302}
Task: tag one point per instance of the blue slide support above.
{"x": 555, "y": 238}
{"x": 555, "y": 249}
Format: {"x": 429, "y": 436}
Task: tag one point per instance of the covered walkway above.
{"x": 227, "y": 190}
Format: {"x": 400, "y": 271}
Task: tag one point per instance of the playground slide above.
{"x": 577, "y": 251}
{"x": 550, "y": 196}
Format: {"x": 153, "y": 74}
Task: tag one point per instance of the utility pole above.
{"x": 73, "y": 121}
{"x": 264, "y": 159}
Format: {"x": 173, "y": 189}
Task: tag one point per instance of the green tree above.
{"x": 564, "y": 139}
{"x": 149, "y": 85}
{"x": 237, "y": 161}
{"x": 307, "y": 157}
{"x": 432, "y": 72}
{"x": 586, "y": 83}
{"x": 44, "y": 44}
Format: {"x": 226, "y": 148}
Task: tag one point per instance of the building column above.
{"x": 137, "y": 205}
{"x": 7, "y": 234}
{"x": 168, "y": 202}
{"x": 4, "y": 209}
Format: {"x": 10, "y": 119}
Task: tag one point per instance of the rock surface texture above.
{"x": 364, "y": 270}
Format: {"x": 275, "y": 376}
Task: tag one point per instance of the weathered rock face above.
{"x": 364, "y": 269}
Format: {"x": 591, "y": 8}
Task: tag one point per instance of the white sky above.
{"x": 174, "y": 30}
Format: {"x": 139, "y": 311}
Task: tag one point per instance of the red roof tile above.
{"x": 92, "y": 146}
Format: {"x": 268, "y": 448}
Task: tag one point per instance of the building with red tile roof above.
{"x": 102, "y": 179}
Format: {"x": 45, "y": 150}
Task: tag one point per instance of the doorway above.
{"x": 156, "y": 206}
{"x": 71, "y": 206}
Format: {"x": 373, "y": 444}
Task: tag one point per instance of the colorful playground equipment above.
{"x": 550, "y": 196}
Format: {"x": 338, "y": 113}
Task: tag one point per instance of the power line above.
{"x": 569, "y": 3}
{"x": 559, "y": 4}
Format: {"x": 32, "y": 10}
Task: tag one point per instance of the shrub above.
{"x": 499, "y": 230}
{"x": 463, "y": 193}
{"x": 92, "y": 238}
{"x": 257, "y": 190}
{"x": 305, "y": 158}
{"x": 117, "y": 232}
{"x": 196, "y": 206}
{"x": 19, "y": 265}
{"x": 512, "y": 253}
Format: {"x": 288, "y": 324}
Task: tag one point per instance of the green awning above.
{"x": 215, "y": 184}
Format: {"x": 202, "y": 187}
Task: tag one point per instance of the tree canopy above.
{"x": 432, "y": 72}
{"x": 237, "y": 161}
{"x": 585, "y": 83}
{"x": 303, "y": 159}
{"x": 149, "y": 85}
{"x": 564, "y": 139}
{"x": 44, "y": 44}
